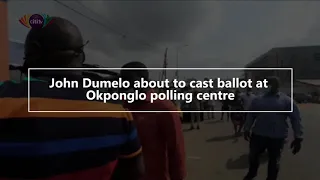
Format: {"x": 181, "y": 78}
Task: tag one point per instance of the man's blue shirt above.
{"x": 273, "y": 124}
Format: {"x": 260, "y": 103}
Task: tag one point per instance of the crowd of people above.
{"x": 241, "y": 102}
{"x": 118, "y": 145}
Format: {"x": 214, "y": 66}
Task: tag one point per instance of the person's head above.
{"x": 135, "y": 74}
{"x": 273, "y": 84}
{"x": 57, "y": 45}
{"x": 237, "y": 93}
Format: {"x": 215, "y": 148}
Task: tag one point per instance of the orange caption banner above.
{"x": 4, "y": 42}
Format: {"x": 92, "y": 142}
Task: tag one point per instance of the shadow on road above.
{"x": 221, "y": 138}
{"x": 213, "y": 122}
{"x": 243, "y": 163}
{"x": 186, "y": 130}
{"x": 235, "y": 140}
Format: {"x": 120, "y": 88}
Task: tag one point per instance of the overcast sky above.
{"x": 219, "y": 34}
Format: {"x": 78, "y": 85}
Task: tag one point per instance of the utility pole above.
{"x": 177, "y": 60}
{"x": 177, "y": 64}
{"x": 165, "y": 63}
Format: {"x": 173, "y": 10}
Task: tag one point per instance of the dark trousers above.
{"x": 211, "y": 114}
{"x": 201, "y": 116}
{"x": 258, "y": 145}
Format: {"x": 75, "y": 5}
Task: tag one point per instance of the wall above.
{"x": 15, "y": 57}
{"x": 4, "y": 41}
{"x": 16, "y": 52}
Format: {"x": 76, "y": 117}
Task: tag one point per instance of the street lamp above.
{"x": 177, "y": 60}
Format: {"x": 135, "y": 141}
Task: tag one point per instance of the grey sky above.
{"x": 219, "y": 34}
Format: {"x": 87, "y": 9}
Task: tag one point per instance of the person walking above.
{"x": 160, "y": 133}
{"x": 195, "y": 105}
{"x": 225, "y": 107}
{"x": 212, "y": 105}
{"x": 247, "y": 99}
{"x": 269, "y": 130}
{"x": 237, "y": 118}
{"x": 178, "y": 105}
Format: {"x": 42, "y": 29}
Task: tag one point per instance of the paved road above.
{"x": 213, "y": 154}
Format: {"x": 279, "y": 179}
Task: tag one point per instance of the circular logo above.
{"x": 36, "y": 21}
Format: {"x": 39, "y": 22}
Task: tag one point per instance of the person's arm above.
{"x": 172, "y": 132}
{"x": 295, "y": 120}
{"x": 242, "y": 98}
{"x": 250, "y": 118}
{"x": 130, "y": 163}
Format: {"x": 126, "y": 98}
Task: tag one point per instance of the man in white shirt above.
{"x": 211, "y": 104}
{"x": 195, "y": 106}
{"x": 247, "y": 99}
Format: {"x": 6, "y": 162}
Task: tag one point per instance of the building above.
{"x": 305, "y": 61}
{"x": 16, "y": 54}
{"x": 307, "y": 85}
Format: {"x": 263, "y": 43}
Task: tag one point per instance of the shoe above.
{"x": 191, "y": 128}
{"x": 198, "y": 127}
{"x": 240, "y": 133}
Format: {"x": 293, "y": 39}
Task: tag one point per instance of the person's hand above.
{"x": 296, "y": 145}
{"x": 247, "y": 135}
